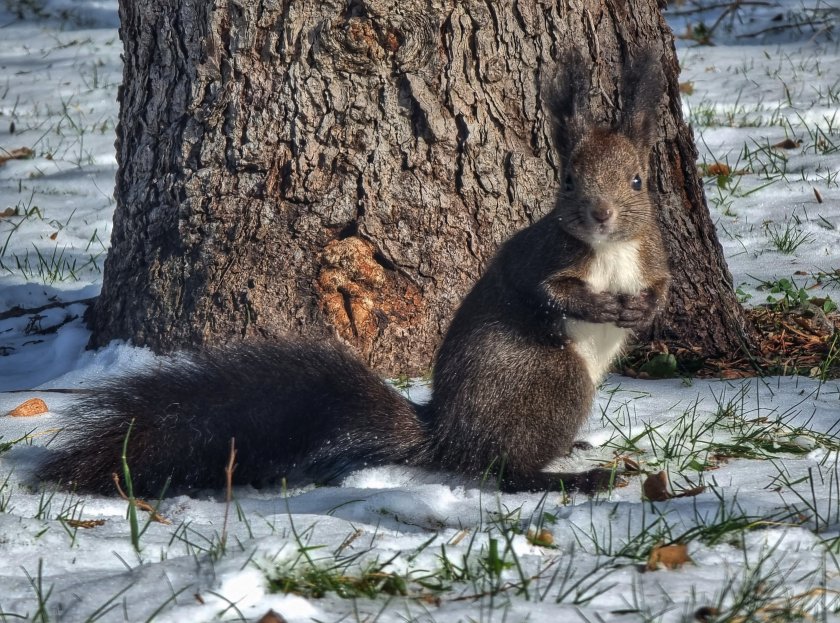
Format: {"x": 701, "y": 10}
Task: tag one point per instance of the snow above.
{"x": 762, "y": 536}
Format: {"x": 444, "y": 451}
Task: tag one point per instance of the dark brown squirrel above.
{"x": 514, "y": 379}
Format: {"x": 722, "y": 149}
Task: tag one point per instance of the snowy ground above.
{"x": 762, "y": 538}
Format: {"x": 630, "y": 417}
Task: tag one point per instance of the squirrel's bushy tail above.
{"x": 297, "y": 410}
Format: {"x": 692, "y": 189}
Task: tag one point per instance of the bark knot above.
{"x": 359, "y": 296}
{"x": 369, "y": 43}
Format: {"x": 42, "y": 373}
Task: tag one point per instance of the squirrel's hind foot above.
{"x": 590, "y": 481}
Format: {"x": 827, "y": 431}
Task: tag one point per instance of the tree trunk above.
{"x": 349, "y": 167}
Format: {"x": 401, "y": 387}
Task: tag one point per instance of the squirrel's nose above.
{"x": 602, "y": 213}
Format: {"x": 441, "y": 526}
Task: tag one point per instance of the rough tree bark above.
{"x": 349, "y": 166}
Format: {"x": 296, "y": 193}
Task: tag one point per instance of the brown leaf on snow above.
{"x": 543, "y": 538}
{"x": 655, "y": 487}
{"x": 687, "y": 87}
{"x": 272, "y": 617}
{"x": 630, "y": 465}
{"x": 690, "y": 493}
{"x": 87, "y": 524}
{"x": 788, "y": 143}
{"x": 21, "y": 153}
{"x": 717, "y": 168}
{"x": 33, "y": 406}
{"x": 668, "y": 556}
{"x": 706, "y": 613}
{"x": 139, "y": 504}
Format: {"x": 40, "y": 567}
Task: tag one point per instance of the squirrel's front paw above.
{"x": 603, "y": 307}
{"x": 637, "y": 310}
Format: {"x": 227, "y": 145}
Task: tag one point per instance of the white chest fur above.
{"x": 614, "y": 269}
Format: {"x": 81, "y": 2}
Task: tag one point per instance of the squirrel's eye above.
{"x": 568, "y": 184}
{"x": 637, "y": 182}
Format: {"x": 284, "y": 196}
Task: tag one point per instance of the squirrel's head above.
{"x": 604, "y": 179}
{"x": 604, "y": 189}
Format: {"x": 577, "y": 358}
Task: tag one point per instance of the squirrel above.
{"x": 513, "y": 381}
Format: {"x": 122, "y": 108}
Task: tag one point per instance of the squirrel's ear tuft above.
{"x": 567, "y": 96}
{"x": 643, "y": 91}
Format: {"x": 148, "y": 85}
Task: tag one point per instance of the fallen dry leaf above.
{"x": 543, "y": 538}
{"x": 33, "y": 406}
{"x": 788, "y": 143}
{"x": 84, "y": 523}
{"x": 21, "y": 153}
{"x": 687, "y": 87}
{"x": 272, "y": 617}
{"x": 690, "y": 493}
{"x": 655, "y": 487}
{"x": 718, "y": 168}
{"x": 706, "y": 613}
{"x": 630, "y": 465}
{"x": 668, "y": 556}
{"x": 818, "y": 195}
{"x": 140, "y": 504}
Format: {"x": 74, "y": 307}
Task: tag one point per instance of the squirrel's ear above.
{"x": 643, "y": 90}
{"x": 567, "y": 97}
